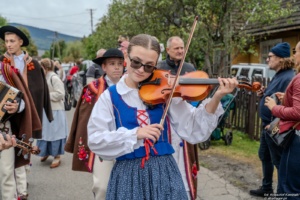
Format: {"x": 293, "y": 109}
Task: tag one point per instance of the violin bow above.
{"x": 168, "y": 102}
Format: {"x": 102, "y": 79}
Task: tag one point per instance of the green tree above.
{"x": 3, "y": 22}
{"x": 31, "y": 48}
{"x": 221, "y": 31}
{"x": 57, "y": 49}
{"x": 73, "y": 51}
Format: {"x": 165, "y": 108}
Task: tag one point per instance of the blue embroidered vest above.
{"x": 126, "y": 116}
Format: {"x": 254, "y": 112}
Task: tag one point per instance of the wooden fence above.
{"x": 244, "y": 117}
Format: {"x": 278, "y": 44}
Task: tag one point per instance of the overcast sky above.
{"x": 70, "y": 17}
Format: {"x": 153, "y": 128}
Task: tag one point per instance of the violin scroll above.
{"x": 255, "y": 86}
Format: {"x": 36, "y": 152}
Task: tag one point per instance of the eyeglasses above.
{"x": 135, "y": 64}
{"x": 294, "y": 51}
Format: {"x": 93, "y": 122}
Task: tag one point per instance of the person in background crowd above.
{"x": 121, "y": 39}
{"x": 122, "y": 127}
{"x": 95, "y": 70}
{"x": 58, "y": 69}
{"x": 123, "y": 48}
{"x": 34, "y": 78}
{"x": 162, "y": 49}
{"x": 289, "y": 114}
{"x": 54, "y": 133}
{"x": 175, "y": 52}
{"x": 75, "y": 68}
{"x": 83, "y": 158}
{"x": 188, "y": 165}
{"x": 269, "y": 153}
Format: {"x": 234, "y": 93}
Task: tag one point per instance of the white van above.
{"x": 252, "y": 70}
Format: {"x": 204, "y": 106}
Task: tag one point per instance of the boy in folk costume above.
{"x": 24, "y": 120}
{"x": 83, "y": 159}
{"x": 34, "y": 79}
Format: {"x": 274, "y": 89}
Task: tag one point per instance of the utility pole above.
{"x": 91, "y": 14}
{"x": 55, "y": 44}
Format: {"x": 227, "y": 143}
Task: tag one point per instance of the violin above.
{"x": 193, "y": 86}
{"x": 23, "y": 146}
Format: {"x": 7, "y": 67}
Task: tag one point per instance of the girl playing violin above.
{"x": 122, "y": 127}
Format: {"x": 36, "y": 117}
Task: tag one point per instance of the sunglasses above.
{"x": 135, "y": 64}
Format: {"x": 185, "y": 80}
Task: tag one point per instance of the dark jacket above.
{"x": 36, "y": 82}
{"x": 170, "y": 65}
{"x": 89, "y": 96}
{"x": 28, "y": 120}
{"x": 279, "y": 83}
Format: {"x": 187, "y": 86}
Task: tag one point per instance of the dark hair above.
{"x": 146, "y": 41}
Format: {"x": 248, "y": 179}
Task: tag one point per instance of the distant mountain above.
{"x": 43, "y": 38}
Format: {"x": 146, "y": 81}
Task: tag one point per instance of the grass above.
{"x": 242, "y": 149}
{"x": 241, "y": 145}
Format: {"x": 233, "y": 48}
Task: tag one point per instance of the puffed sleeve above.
{"x": 193, "y": 124}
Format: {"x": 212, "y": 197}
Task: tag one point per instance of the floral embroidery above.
{"x": 194, "y": 171}
{"x": 82, "y": 152}
{"x": 88, "y": 95}
{"x": 30, "y": 66}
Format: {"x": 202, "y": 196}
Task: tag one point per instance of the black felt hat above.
{"x": 18, "y": 32}
{"x": 110, "y": 53}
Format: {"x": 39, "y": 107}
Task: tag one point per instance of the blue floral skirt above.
{"x": 160, "y": 179}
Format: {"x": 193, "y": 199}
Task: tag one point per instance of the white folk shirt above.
{"x": 19, "y": 62}
{"x": 187, "y": 122}
{"x": 191, "y": 124}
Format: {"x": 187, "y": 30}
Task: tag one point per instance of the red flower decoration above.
{"x": 194, "y": 170}
{"x": 14, "y": 69}
{"x": 88, "y": 99}
{"x": 82, "y": 153}
{"x": 30, "y": 66}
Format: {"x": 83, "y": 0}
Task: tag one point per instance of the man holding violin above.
{"x": 188, "y": 165}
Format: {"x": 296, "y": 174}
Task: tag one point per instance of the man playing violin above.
{"x": 188, "y": 165}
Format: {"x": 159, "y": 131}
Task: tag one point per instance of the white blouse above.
{"x": 191, "y": 124}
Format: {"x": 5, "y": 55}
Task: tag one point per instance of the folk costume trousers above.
{"x": 7, "y": 172}
{"x": 21, "y": 180}
{"x": 101, "y": 174}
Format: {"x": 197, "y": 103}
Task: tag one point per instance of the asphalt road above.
{"x": 59, "y": 183}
